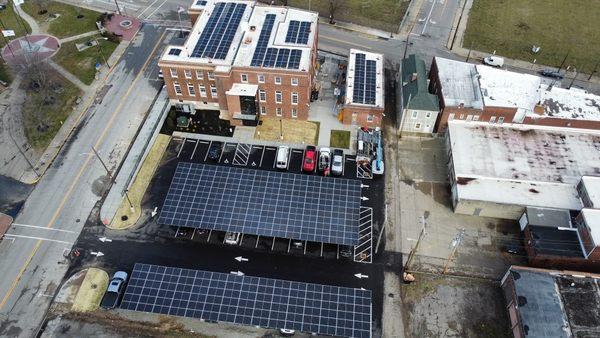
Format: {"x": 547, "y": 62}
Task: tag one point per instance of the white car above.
{"x": 324, "y": 162}
{"x": 494, "y": 61}
{"x": 232, "y": 238}
{"x": 283, "y": 154}
{"x": 337, "y": 163}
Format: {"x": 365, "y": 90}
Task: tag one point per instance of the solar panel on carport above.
{"x": 247, "y": 300}
{"x": 266, "y": 203}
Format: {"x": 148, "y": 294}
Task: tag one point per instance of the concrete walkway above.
{"x": 68, "y": 75}
{"x": 35, "y": 28}
{"x": 80, "y": 36}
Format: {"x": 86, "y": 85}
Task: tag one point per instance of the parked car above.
{"x": 346, "y": 251}
{"x": 494, "y": 61}
{"x": 115, "y": 289}
{"x": 160, "y": 74}
{"x": 337, "y": 163}
{"x": 324, "y": 165}
{"x": 214, "y": 152}
{"x": 555, "y": 74}
{"x": 283, "y": 154}
{"x": 310, "y": 157}
{"x": 286, "y": 332}
{"x": 232, "y": 238}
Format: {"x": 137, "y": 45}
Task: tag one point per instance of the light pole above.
{"x": 118, "y": 9}
{"x": 102, "y": 54}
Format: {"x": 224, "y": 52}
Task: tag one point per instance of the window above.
{"x": 428, "y": 115}
{"x": 213, "y": 91}
{"x": 493, "y": 119}
{"x": 469, "y": 117}
{"x": 370, "y": 118}
{"x": 451, "y": 117}
{"x": 462, "y": 116}
{"x": 199, "y": 74}
{"x": 277, "y": 80}
{"x": 415, "y": 114}
{"x": 191, "y": 89}
{"x": 294, "y": 81}
{"x": 173, "y": 72}
{"x": 211, "y": 75}
{"x": 501, "y": 119}
{"x": 475, "y": 117}
{"x": 263, "y": 110}
{"x": 245, "y": 78}
{"x": 177, "y": 88}
{"x": 262, "y": 95}
{"x": 278, "y": 96}
{"x": 202, "y": 90}
{"x": 278, "y": 111}
{"x": 417, "y": 125}
{"x": 294, "y": 98}
{"x": 261, "y": 78}
{"x": 187, "y": 73}
{"x": 294, "y": 113}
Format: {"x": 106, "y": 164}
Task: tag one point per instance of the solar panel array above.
{"x": 365, "y": 80}
{"x": 247, "y": 300}
{"x": 201, "y": 2}
{"x": 217, "y": 35}
{"x": 265, "y": 203}
{"x": 270, "y": 57}
{"x": 298, "y": 32}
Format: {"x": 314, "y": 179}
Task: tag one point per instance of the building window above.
{"x": 187, "y": 73}
{"x": 263, "y": 110}
{"x": 262, "y": 95}
{"x": 451, "y": 117}
{"x": 493, "y": 119}
{"x": 469, "y": 117}
{"x": 191, "y": 89}
{"x": 261, "y": 78}
{"x": 278, "y": 111}
{"x": 294, "y": 112}
{"x": 428, "y": 115}
{"x": 213, "y": 91}
{"x": 501, "y": 119}
{"x": 294, "y": 81}
{"x": 173, "y": 72}
{"x": 177, "y": 88}
{"x": 211, "y": 75}
{"x": 278, "y": 97}
{"x": 245, "y": 78}
{"x": 294, "y": 98}
{"x": 415, "y": 114}
{"x": 200, "y": 75}
{"x": 417, "y": 125}
{"x": 462, "y": 116}
{"x": 475, "y": 117}
{"x": 277, "y": 80}
{"x": 370, "y": 118}
{"x": 202, "y": 90}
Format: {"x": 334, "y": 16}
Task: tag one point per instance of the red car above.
{"x": 310, "y": 159}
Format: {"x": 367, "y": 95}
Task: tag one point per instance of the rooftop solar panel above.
{"x": 295, "y": 56}
{"x": 265, "y": 203}
{"x": 304, "y": 32}
{"x": 270, "y": 57}
{"x": 248, "y": 300}
{"x": 292, "y": 33}
{"x": 220, "y": 29}
{"x": 364, "y": 89}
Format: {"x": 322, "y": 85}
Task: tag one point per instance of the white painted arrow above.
{"x": 104, "y": 239}
{"x": 364, "y": 186}
{"x": 237, "y": 273}
{"x": 154, "y": 212}
{"x": 97, "y": 254}
{"x": 364, "y": 198}
{"x": 241, "y": 259}
{"x": 360, "y": 276}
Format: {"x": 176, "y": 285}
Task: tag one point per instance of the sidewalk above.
{"x": 80, "y": 36}
{"x": 35, "y": 28}
{"x": 66, "y": 74}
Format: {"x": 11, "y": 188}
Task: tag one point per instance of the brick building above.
{"x": 364, "y": 101}
{"x": 245, "y": 60}
{"x": 420, "y": 108}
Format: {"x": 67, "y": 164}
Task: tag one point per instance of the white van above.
{"x": 494, "y": 61}
{"x": 283, "y": 154}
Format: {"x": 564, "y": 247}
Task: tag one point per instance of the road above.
{"x": 31, "y": 256}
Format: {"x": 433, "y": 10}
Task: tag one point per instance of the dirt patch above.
{"x": 293, "y": 131}
{"x": 91, "y": 291}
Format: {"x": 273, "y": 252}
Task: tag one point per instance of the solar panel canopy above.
{"x": 365, "y": 80}
{"x": 265, "y": 203}
{"x": 247, "y": 300}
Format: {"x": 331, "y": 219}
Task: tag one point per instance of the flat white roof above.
{"x": 571, "y": 104}
{"x": 459, "y": 83}
{"x": 501, "y": 88}
{"x": 350, "y": 77}
{"x": 243, "y": 89}
{"x": 522, "y": 164}
{"x": 592, "y": 219}
{"x": 592, "y": 187}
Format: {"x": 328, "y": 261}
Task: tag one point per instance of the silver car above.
{"x": 337, "y": 164}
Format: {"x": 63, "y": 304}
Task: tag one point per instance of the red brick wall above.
{"x": 560, "y": 122}
{"x": 482, "y": 115}
{"x": 362, "y": 116}
{"x": 183, "y": 81}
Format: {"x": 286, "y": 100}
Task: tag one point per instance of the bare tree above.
{"x": 334, "y": 5}
{"x": 42, "y": 5}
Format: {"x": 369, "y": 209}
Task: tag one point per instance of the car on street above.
{"x": 310, "y": 157}
{"x": 324, "y": 165}
{"x": 232, "y": 238}
{"x": 214, "y": 152}
{"x": 494, "y": 61}
{"x": 337, "y": 163}
{"x": 283, "y": 154}
{"x": 114, "y": 291}
{"x": 551, "y": 73}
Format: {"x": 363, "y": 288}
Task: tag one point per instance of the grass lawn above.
{"x": 67, "y": 24}
{"x": 10, "y": 23}
{"x": 558, "y": 26}
{"x": 294, "y": 131}
{"x": 91, "y": 291}
{"x": 52, "y": 107}
{"x": 340, "y": 139}
{"x": 83, "y": 64}
{"x": 380, "y": 14}
{"x": 5, "y": 73}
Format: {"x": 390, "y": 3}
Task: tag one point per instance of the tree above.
{"x": 42, "y": 5}
{"x": 334, "y": 5}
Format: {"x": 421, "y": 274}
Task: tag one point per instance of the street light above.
{"x": 100, "y": 51}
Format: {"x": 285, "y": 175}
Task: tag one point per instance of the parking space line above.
{"x": 194, "y": 151}
{"x": 261, "y": 157}
{"x": 182, "y": 145}
{"x": 208, "y": 151}
{"x": 222, "y": 151}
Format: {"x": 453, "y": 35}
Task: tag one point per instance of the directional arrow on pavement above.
{"x": 241, "y": 259}
{"x": 154, "y": 212}
{"x": 364, "y": 186}
{"x": 360, "y": 276}
{"x": 97, "y": 254}
{"x": 104, "y": 239}
{"x": 364, "y": 198}
{"x": 237, "y": 273}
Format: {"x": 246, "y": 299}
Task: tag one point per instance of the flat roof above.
{"x": 556, "y": 242}
{"x": 570, "y": 104}
{"x": 592, "y": 219}
{"x": 523, "y": 164}
{"x": 364, "y": 80}
{"x": 592, "y": 187}
{"x": 548, "y": 217}
{"x": 502, "y": 88}
{"x": 243, "y": 89}
{"x": 459, "y": 83}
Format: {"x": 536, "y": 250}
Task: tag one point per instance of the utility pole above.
{"x": 102, "y": 54}
{"x": 6, "y": 41}
{"x": 574, "y": 77}
{"x": 563, "y": 61}
{"x": 118, "y": 9}
{"x": 455, "y": 243}
{"x": 593, "y": 71}
{"x": 413, "y": 251}
{"x": 112, "y": 178}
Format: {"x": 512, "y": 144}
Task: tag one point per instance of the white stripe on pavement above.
{"x": 43, "y": 228}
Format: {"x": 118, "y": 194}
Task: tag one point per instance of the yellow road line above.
{"x": 345, "y": 42}
{"x": 78, "y": 176}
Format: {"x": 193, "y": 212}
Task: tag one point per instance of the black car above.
{"x": 555, "y": 74}
{"x": 214, "y": 152}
